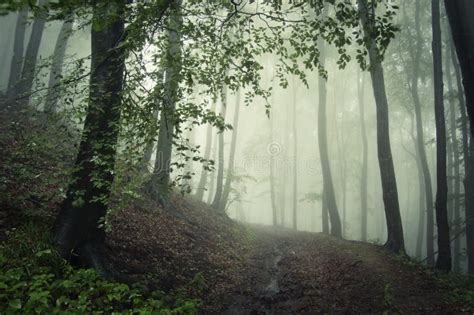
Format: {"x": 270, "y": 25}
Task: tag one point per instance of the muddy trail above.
{"x": 288, "y": 272}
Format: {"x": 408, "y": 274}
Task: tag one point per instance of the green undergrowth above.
{"x": 35, "y": 280}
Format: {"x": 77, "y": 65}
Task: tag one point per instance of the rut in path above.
{"x": 297, "y": 272}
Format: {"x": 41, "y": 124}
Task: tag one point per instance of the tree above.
{"x": 295, "y": 161}
{"x": 57, "y": 65}
{"x": 18, "y": 50}
{"x": 77, "y": 233}
{"x": 443, "y": 261}
{"x": 364, "y": 167}
{"x": 330, "y": 197}
{"x": 233, "y": 146}
{"x": 161, "y": 174}
{"x": 220, "y": 164}
{"x": 395, "y": 239}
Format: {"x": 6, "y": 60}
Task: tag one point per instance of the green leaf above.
{"x": 15, "y": 304}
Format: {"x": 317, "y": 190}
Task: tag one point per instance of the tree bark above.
{"x": 18, "y": 51}
{"x": 295, "y": 161}
{"x": 324, "y": 214}
{"x": 395, "y": 239}
{"x": 443, "y": 261}
{"x": 233, "y": 146}
{"x": 220, "y": 171}
{"x": 364, "y": 167}
{"x": 25, "y": 84}
{"x": 77, "y": 233}
{"x": 336, "y": 229}
{"x": 52, "y": 98}
{"x": 160, "y": 180}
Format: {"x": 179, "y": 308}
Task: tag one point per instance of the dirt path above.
{"x": 295, "y": 272}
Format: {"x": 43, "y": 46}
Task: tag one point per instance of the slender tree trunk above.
{"x": 18, "y": 50}
{"x": 456, "y": 160}
{"x": 325, "y": 213}
{"x": 365, "y": 149}
{"x": 468, "y": 168}
{"x": 77, "y": 232}
{"x": 330, "y": 197}
{"x": 295, "y": 161}
{"x": 212, "y": 183}
{"x": 161, "y": 174}
{"x": 443, "y": 261}
{"x": 220, "y": 170}
{"x": 207, "y": 153}
{"x": 460, "y": 13}
{"x": 233, "y": 146}
{"x": 52, "y": 98}
{"x": 272, "y": 174}
{"x": 395, "y": 240}
{"x": 31, "y": 57}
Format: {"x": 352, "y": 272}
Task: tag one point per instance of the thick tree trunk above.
{"x": 77, "y": 232}
{"x": 443, "y": 261}
{"x": 18, "y": 51}
{"x": 220, "y": 164}
{"x": 335, "y": 220}
{"x": 159, "y": 184}
{"x": 395, "y": 240}
{"x": 207, "y": 153}
{"x": 233, "y": 146}
{"x": 456, "y": 167}
{"x": 52, "y": 98}
{"x": 460, "y": 13}
{"x": 25, "y": 84}
{"x": 364, "y": 168}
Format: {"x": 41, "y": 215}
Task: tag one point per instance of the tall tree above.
{"x": 201, "y": 187}
{"x": 77, "y": 232}
{"x": 233, "y": 146}
{"x": 395, "y": 239}
{"x": 51, "y": 102}
{"x": 460, "y": 13}
{"x": 295, "y": 161}
{"x": 443, "y": 261}
{"x": 25, "y": 84}
{"x": 330, "y": 197}
{"x": 161, "y": 174}
{"x": 18, "y": 51}
{"x": 220, "y": 164}
{"x": 272, "y": 175}
{"x": 364, "y": 167}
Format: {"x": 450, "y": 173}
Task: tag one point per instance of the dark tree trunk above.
{"x": 364, "y": 167}
{"x": 25, "y": 84}
{"x": 52, "y": 98}
{"x": 220, "y": 164}
{"x": 18, "y": 50}
{"x": 335, "y": 220}
{"x": 159, "y": 184}
{"x": 456, "y": 161}
{"x": 77, "y": 233}
{"x": 460, "y": 13}
{"x": 207, "y": 153}
{"x": 324, "y": 214}
{"x": 233, "y": 146}
{"x": 395, "y": 240}
{"x": 416, "y": 54}
{"x": 443, "y": 261}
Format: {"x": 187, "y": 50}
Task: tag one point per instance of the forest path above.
{"x": 297, "y": 272}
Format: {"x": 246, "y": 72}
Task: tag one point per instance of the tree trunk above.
{"x": 233, "y": 145}
{"x": 364, "y": 168}
{"x": 77, "y": 232}
{"x": 18, "y": 50}
{"x": 335, "y": 220}
{"x": 443, "y": 261}
{"x": 31, "y": 57}
{"x": 161, "y": 174}
{"x": 456, "y": 161}
{"x": 460, "y": 13}
{"x": 272, "y": 175}
{"x": 52, "y": 98}
{"x": 212, "y": 183}
{"x": 295, "y": 161}
{"x": 395, "y": 240}
{"x": 220, "y": 171}
{"x": 324, "y": 213}
{"x": 207, "y": 153}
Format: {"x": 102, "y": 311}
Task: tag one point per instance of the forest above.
{"x": 236, "y": 156}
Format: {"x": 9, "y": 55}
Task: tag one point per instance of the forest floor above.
{"x": 252, "y": 269}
